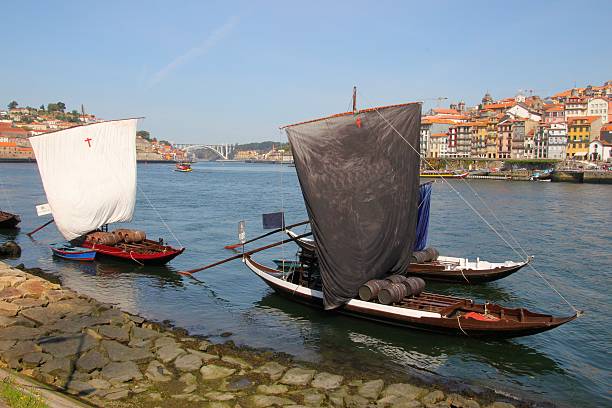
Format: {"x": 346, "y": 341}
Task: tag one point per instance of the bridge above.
{"x": 222, "y": 150}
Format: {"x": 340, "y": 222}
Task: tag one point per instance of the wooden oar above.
{"x": 234, "y": 246}
{"x": 29, "y": 234}
{"x": 231, "y": 258}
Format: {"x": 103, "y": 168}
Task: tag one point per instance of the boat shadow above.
{"x": 407, "y": 350}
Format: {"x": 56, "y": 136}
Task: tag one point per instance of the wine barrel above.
{"x": 396, "y": 278}
{"x": 103, "y": 238}
{"x": 371, "y": 288}
{"x": 135, "y": 236}
{"x": 392, "y": 293}
{"x": 120, "y": 233}
{"x": 415, "y": 286}
{"x": 426, "y": 255}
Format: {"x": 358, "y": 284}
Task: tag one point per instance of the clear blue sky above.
{"x": 234, "y": 71}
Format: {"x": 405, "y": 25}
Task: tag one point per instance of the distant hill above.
{"x": 262, "y": 146}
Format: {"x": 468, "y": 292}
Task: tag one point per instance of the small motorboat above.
{"x": 183, "y": 167}
{"x": 8, "y": 220}
{"x": 73, "y": 253}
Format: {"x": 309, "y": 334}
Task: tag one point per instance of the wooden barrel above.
{"x": 103, "y": 238}
{"x": 392, "y": 293}
{"x": 134, "y": 236}
{"x": 120, "y": 233}
{"x": 371, "y": 288}
{"x": 396, "y": 278}
{"x": 426, "y": 255}
{"x": 414, "y": 286}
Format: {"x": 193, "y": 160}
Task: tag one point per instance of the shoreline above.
{"x": 128, "y": 360}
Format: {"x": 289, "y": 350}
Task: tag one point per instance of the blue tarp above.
{"x": 423, "y": 222}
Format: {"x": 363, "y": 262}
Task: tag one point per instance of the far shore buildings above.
{"x": 563, "y": 126}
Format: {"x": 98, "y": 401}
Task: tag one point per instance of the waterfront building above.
{"x": 581, "y": 131}
{"x": 554, "y": 113}
{"x": 598, "y": 107}
{"x": 452, "y": 141}
{"x": 246, "y": 155}
{"x": 432, "y": 125}
{"x": 522, "y": 131}
{"x": 439, "y": 145}
{"x": 464, "y": 140}
{"x": 600, "y": 150}
{"x": 540, "y": 142}
{"x": 478, "y": 147}
{"x": 492, "y": 139}
{"x": 557, "y": 140}
{"x": 504, "y": 138}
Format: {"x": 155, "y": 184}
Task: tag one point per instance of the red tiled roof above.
{"x": 589, "y": 119}
{"x": 446, "y": 110}
{"x": 554, "y": 107}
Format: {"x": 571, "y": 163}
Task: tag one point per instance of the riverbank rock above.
{"x": 214, "y": 372}
{"x": 298, "y": 376}
{"x": 10, "y": 249}
{"x": 327, "y": 381}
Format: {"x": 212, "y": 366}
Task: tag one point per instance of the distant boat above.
{"x": 443, "y": 174}
{"x": 542, "y": 175}
{"x": 89, "y": 176}
{"x": 8, "y": 220}
{"x": 73, "y": 253}
{"x": 183, "y": 167}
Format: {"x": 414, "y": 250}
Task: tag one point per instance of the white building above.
{"x": 598, "y": 107}
{"x": 557, "y": 140}
{"x": 522, "y": 111}
{"x": 600, "y": 150}
{"x": 439, "y": 145}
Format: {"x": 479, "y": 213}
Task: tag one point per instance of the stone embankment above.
{"x": 111, "y": 358}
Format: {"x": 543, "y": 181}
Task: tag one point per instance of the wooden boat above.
{"x": 447, "y": 268}
{"x": 183, "y": 167}
{"x": 146, "y": 252}
{"x": 443, "y": 174}
{"x": 429, "y": 311}
{"x": 73, "y": 253}
{"x": 359, "y": 176}
{"x": 8, "y": 220}
{"x": 99, "y": 159}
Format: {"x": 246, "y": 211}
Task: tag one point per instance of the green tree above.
{"x": 42, "y": 107}
{"x": 61, "y": 106}
{"x": 13, "y": 105}
{"x": 52, "y": 107}
{"x": 144, "y": 134}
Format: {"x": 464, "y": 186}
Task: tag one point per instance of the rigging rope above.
{"x": 160, "y": 217}
{"x": 6, "y": 198}
{"x": 474, "y": 209}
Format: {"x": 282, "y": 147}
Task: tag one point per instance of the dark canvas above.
{"x": 360, "y": 182}
{"x": 273, "y": 220}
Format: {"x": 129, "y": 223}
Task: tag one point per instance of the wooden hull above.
{"x": 438, "y": 272}
{"x": 8, "y": 220}
{"x": 429, "y": 312}
{"x": 145, "y": 253}
{"x": 432, "y": 271}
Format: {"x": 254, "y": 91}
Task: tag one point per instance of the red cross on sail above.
{"x": 88, "y": 140}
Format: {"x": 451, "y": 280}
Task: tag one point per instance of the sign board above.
{"x": 242, "y": 232}
{"x": 43, "y": 209}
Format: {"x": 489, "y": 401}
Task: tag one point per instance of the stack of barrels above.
{"x": 116, "y": 236}
{"x": 392, "y": 289}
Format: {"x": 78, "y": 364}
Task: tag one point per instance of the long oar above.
{"x": 29, "y": 234}
{"x": 231, "y": 258}
{"x": 234, "y": 246}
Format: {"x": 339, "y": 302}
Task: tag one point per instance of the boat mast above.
{"x": 354, "y": 99}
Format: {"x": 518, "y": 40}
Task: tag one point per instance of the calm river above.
{"x": 566, "y": 227}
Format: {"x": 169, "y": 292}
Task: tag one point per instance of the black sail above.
{"x": 359, "y": 175}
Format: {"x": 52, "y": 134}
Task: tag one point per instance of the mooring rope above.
{"x": 578, "y": 312}
{"x": 160, "y": 217}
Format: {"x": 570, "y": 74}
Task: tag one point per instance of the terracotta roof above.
{"x": 554, "y": 107}
{"x": 607, "y": 128}
{"x": 438, "y": 134}
{"x": 446, "y": 110}
{"x": 428, "y": 120}
{"x": 499, "y": 105}
{"x": 589, "y": 119}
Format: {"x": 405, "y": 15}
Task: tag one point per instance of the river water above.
{"x": 566, "y": 226}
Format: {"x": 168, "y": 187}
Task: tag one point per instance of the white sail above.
{"x": 89, "y": 174}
